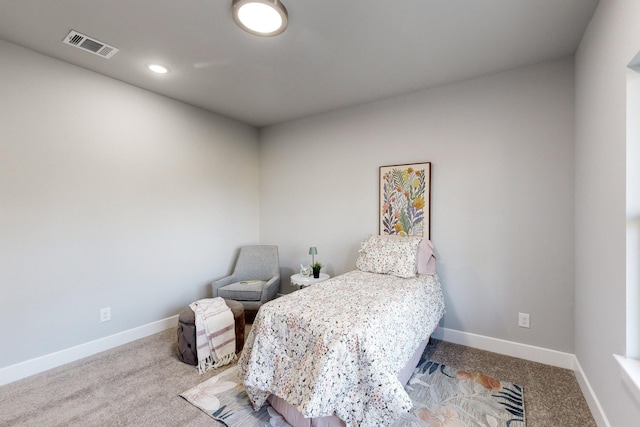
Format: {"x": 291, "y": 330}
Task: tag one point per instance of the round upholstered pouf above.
{"x": 187, "y": 337}
{"x": 187, "y": 332}
{"x": 238, "y": 317}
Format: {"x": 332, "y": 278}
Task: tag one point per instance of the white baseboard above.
{"x": 34, "y": 366}
{"x": 592, "y": 400}
{"x": 508, "y": 348}
{"x": 534, "y": 354}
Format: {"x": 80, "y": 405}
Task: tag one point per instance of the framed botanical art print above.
{"x": 405, "y": 199}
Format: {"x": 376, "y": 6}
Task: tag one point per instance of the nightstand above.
{"x": 302, "y": 282}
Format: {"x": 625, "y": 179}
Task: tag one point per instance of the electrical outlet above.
{"x": 523, "y": 320}
{"x": 105, "y": 314}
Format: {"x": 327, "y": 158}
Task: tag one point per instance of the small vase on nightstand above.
{"x": 305, "y": 271}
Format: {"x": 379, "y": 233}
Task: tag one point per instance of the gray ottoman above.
{"x": 187, "y": 332}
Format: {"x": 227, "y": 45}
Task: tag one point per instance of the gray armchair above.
{"x": 254, "y": 281}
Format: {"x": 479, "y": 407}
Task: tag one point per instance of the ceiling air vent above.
{"x": 89, "y": 44}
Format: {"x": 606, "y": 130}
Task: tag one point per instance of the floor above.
{"x": 138, "y": 384}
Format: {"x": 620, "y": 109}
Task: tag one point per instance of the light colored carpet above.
{"x": 138, "y": 384}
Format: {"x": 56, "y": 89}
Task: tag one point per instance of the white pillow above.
{"x": 389, "y": 254}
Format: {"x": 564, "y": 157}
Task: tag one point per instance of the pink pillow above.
{"x": 426, "y": 258}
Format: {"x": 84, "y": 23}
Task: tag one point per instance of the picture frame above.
{"x": 405, "y": 200}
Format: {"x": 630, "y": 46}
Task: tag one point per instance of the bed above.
{"x": 339, "y": 352}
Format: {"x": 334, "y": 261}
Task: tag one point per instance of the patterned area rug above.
{"x": 442, "y": 397}
{"x": 223, "y": 398}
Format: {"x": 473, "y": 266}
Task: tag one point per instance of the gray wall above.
{"x": 502, "y": 201}
{"x": 111, "y": 196}
{"x": 610, "y": 43}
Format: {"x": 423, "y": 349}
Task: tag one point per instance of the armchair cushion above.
{"x": 247, "y": 290}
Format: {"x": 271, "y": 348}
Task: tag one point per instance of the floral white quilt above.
{"x": 335, "y": 348}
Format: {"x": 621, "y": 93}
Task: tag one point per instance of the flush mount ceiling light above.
{"x": 260, "y": 17}
{"x": 158, "y": 68}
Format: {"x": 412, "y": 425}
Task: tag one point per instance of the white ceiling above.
{"x": 335, "y": 53}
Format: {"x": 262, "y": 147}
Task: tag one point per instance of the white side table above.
{"x": 303, "y": 282}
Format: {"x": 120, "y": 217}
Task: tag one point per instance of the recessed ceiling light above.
{"x": 260, "y": 17}
{"x": 158, "y": 68}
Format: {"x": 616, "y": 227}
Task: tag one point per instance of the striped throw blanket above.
{"x": 215, "y": 333}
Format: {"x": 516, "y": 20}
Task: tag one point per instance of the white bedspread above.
{"x": 336, "y": 347}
